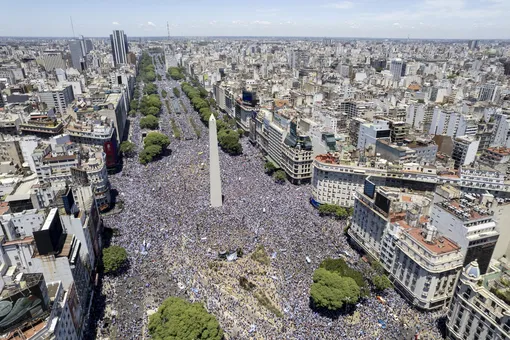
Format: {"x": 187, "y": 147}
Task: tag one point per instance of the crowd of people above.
{"x": 172, "y": 236}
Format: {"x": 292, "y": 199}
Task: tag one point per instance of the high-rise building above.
{"x": 473, "y": 44}
{"x": 58, "y": 98}
{"x": 370, "y": 132}
{"x": 487, "y": 92}
{"x": 469, "y": 223}
{"x": 87, "y": 45}
{"x": 397, "y": 68}
{"x": 119, "y": 47}
{"x": 506, "y": 66}
{"x": 77, "y": 54}
{"x": 464, "y": 150}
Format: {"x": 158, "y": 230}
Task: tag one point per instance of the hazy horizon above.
{"x": 393, "y": 19}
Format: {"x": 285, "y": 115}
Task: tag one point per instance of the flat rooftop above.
{"x": 465, "y": 210}
{"x": 440, "y": 245}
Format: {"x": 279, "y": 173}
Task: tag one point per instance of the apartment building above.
{"x": 62, "y": 161}
{"x": 297, "y": 158}
{"x": 469, "y": 223}
{"x": 376, "y": 207}
{"x": 424, "y": 265}
{"x": 464, "y": 150}
{"x": 335, "y": 179}
{"x": 390, "y": 225}
{"x": 59, "y": 98}
{"x": 480, "y": 308}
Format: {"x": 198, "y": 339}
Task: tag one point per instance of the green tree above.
{"x": 164, "y": 93}
{"x": 340, "y": 213}
{"x": 156, "y": 138}
{"x": 177, "y": 93}
{"x": 179, "y": 319}
{"x": 340, "y": 267}
{"x": 269, "y": 167}
{"x": 150, "y": 89}
{"x": 332, "y": 291}
{"x": 149, "y": 122}
{"x": 113, "y": 258}
{"x": 152, "y": 111}
{"x": 133, "y": 105}
{"x": 175, "y": 73}
{"x": 127, "y": 148}
{"x": 381, "y": 282}
{"x": 132, "y": 113}
{"x": 327, "y": 209}
{"x": 229, "y": 142}
{"x": 220, "y": 125}
{"x": 280, "y": 176}
{"x": 149, "y": 153}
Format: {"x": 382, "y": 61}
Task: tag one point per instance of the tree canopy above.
{"x": 147, "y": 71}
{"x": 133, "y": 105}
{"x": 149, "y": 153}
{"x": 229, "y": 142}
{"x": 332, "y": 291}
{"x": 340, "y": 267}
{"x": 279, "y": 176}
{"x": 150, "y": 89}
{"x": 177, "y": 93}
{"x": 381, "y": 282}
{"x": 156, "y": 138}
{"x": 127, "y": 148}
{"x": 150, "y": 104}
{"x": 149, "y": 122}
{"x": 178, "y": 319}
{"x": 269, "y": 167}
{"x": 334, "y": 211}
{"x": 113, "y": 258}
{"x": 176, "y": 73}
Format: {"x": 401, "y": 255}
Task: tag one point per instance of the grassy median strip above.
{"x": 182, "y": 106}
{"x": 175, "y": 129}
{"x": 195, "y": 127}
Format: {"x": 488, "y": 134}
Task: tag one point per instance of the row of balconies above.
{"x": 407, "y": 176}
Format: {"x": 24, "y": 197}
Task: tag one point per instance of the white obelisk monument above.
{"x": 214, "y": 165}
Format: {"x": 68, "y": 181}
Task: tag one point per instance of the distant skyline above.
{"x": 425, "y": 19}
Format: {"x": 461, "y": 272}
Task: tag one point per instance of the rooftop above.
{"x": 440, "y": 245}
{"x": 465, "y": 209}
{"x": 500, "y": 150}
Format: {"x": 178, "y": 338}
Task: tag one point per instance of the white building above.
{"x": 58, "y": 98}
{"x": 425, "y": 264}
{"x": 397, "y": 65}
{"x": 469, "y": 224}
{"x": 479, "y": 309}
{"x": 369, "y": 133}
{"x": 464, "y": 150}
{"x": 390, "y": 226}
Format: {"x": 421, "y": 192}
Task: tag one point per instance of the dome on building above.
{"x": 472, "y": 271}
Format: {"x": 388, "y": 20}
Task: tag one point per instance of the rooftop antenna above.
{"x": 72, "y": 26}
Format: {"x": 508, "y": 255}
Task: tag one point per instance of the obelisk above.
{"x": 214, "y": 165}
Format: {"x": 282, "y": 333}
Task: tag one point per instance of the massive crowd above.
{"x": 172, "y": 235}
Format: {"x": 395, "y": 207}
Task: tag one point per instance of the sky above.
{"x": 446, "y": 19}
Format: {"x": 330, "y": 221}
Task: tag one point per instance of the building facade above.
{"x": 479, "y": 309}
